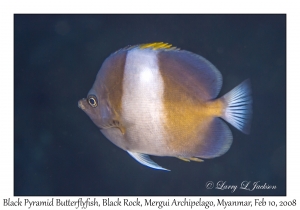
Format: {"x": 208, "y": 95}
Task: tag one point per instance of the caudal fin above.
{"x": 238, "y": 110}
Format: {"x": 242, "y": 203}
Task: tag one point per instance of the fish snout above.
{"x": 81, "y": 103}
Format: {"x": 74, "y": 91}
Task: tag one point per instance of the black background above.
{"x": 59, "y": 151}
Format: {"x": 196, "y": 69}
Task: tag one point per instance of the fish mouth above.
{"x": 80, "y": 104}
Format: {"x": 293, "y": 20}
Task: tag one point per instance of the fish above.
{"x": 155, "y": 99}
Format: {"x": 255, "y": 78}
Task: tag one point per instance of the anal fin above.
{"x": 145, "y": 160}
{"x": 184, "y": 159}
{"x": 191, "y": 158}
{"x": 196, "y": 159}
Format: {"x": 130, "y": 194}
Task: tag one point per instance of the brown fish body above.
{"x": 157, "y": 100}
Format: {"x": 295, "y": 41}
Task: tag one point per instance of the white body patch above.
{"x": 142, "y": 102}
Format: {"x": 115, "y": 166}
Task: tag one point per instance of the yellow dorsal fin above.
{"x": 156, "y": 45}
{"x": 153, "y": 46}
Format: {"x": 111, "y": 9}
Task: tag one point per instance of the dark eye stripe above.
{"x": 92, "y": 100}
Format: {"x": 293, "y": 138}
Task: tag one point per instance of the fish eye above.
{"x": 92, "y": 100}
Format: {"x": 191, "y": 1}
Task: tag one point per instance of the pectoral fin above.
{"x": 145, "y": 160}
{"x": 107, "y": 123}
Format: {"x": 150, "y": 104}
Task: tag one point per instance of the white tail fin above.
{"x": 238, "y": 110}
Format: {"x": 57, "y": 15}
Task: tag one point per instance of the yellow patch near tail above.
{"x": 215, "y": 108}
{"x": 156, "y": 46}
{"x": 188, "y": 124}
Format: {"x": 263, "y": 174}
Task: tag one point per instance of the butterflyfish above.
{"x": 156, "y": 99}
